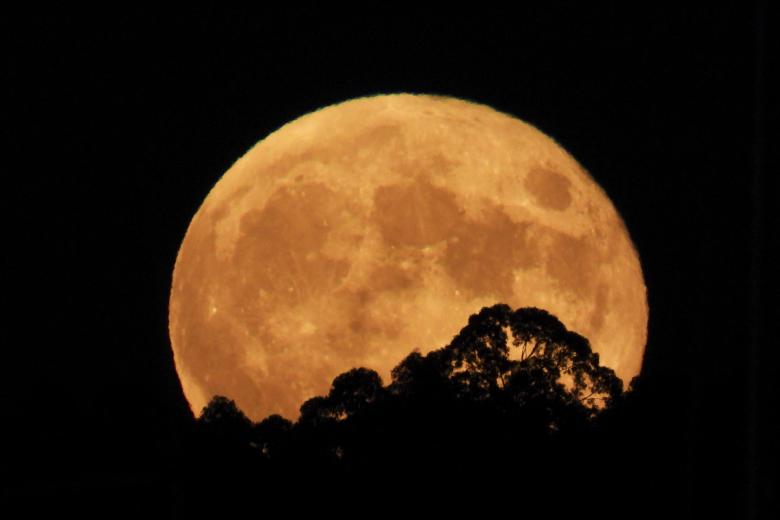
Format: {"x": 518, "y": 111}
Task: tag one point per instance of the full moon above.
{"x": 368, "y": 229}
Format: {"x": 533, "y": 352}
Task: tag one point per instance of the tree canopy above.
{"x": 513, "y": 372}
{"x": 515, "y": 358}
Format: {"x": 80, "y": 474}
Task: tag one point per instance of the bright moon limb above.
{"x": 366, "y": 229}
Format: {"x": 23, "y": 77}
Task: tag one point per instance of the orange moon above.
{"x": 367, "y": 229}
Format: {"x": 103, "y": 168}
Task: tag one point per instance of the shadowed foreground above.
{"x": 515, "y": 414}
{"x": 514, "y": 417}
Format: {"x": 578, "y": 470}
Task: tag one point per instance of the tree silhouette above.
{"x": 317, "y": 411}
{"x": 224, "y": 412}
{"x": 354, "y": 390}
{"x": 525, "y": 357}
{"x": 271, "y": 436}
{"x": 420, "y": 377}
{"x": 509, "y": 379}
{"x": 222, "y": 420}
{"x": 350, "y": 393}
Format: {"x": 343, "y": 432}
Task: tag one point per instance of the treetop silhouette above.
{"x": 527, "y": 353}
{"x": 516, "y": 373}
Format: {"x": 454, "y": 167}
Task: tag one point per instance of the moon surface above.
{"x": 367, "y": 229}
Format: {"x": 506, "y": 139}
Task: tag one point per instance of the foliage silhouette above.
{"x": 226, "y": 434}
{"x": 355, "y": 390}
{"x": 223, "y": 417}
{"x": 513, "y": 389}
{"x": 350, "y": 393}
{"x": 271, "y": 436}
{"x": 553, "y": 364}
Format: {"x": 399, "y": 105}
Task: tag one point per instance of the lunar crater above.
{"x": 549, "y": 189}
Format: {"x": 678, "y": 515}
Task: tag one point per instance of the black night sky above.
{"x": 120, "y": 123}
